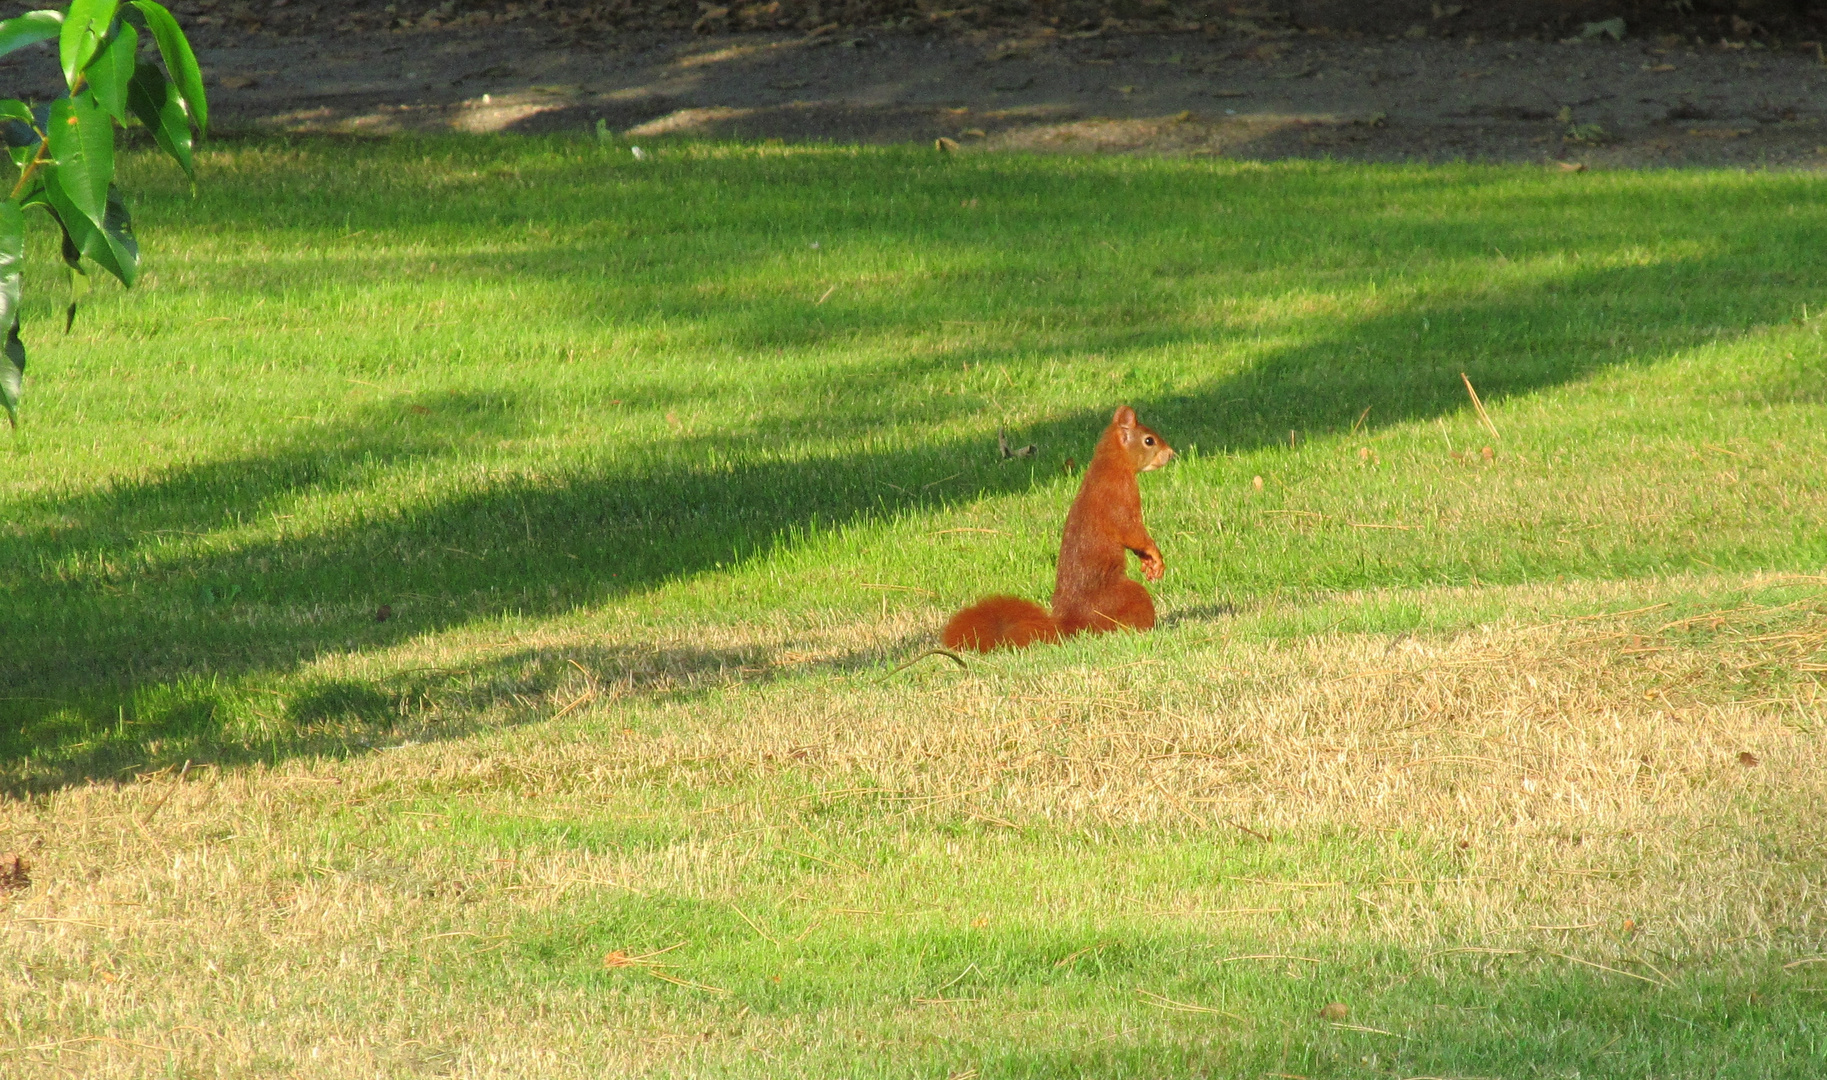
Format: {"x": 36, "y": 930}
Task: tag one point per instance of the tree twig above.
{"x": 1483, "y": 416}
{"x": 947, "y": 653}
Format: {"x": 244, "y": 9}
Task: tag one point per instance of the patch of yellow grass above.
{"x": 1535, "y": 783}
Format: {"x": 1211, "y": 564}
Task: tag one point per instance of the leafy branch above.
{"x": 64, "y": 150}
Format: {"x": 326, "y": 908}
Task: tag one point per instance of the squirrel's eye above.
{"x": 1150, "y": 440}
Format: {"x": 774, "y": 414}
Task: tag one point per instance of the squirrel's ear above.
{"x": 1125, "y": 417}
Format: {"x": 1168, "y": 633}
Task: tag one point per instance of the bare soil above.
{"x": 1258, "y": 85}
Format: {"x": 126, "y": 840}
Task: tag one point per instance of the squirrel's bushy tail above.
{"x": 997, "y": 621}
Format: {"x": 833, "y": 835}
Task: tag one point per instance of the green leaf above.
{"x": 111, "y": 244}
{"x": 18, "y": 130}
{"x": 180, "y": 61}
{"x": 78, "y": 280}
{"x": 29, "y": 29}
{"x": 35, "y": 195}
{"x": 85, "y": 24}
{"x": 12, "y": 243}
{"x": 82, "y": 141}
{"x": 112, "y": 69}
{"x": 12, "y": 373}
{"x": 158, "y": 106}
{"x": 12, "y": 259}
{"x": 72, "y": 255}
{"x": 117, "y": 231}
{"x": 73, "y": 274}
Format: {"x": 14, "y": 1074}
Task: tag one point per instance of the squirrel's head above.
{"x": 1146, "y": 450}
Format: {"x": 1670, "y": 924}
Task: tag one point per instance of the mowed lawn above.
{"x": 450, "y": 617}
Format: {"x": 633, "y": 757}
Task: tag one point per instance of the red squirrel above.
{"x": 1093, "y": 591}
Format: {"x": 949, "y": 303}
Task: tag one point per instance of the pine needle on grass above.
{"x": 1162, "y": 1001}
{"x": 1483, "y": 417}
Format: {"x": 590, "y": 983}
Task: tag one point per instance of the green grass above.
{"x": 440, "y": 375}
{"x": 691, "y": 452}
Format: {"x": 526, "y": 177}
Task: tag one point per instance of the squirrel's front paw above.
{"x": 1152, "y": 568}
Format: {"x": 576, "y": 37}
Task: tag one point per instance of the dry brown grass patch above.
{"x": 1570, "y": 791}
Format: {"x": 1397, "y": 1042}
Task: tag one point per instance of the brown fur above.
{"x": 999, "y": 620}
{"x": 1093, "y": 591}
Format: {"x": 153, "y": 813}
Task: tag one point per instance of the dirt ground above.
{"x": 1242, "y": 88}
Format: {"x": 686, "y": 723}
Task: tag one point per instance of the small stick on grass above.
{"x": 1264, "y": 837}
{"x": 1162, "y": 1001}
{"x": 1483, "y": 417}
{"x": 753, "y": 925}
{"x": 1606, "y": 967}
{"x": 947, "y": 653}
{"x": 160, "y": 805}
{"x": 898, "y": 588}
{"x": 958, "y": 978}
{"x": 687, "y": 983}
{"x": 1099, "y": 947}
{"x": 581, "y": 698}
{"x": 1175, "y": 803}
{"x": 581, "y": 670}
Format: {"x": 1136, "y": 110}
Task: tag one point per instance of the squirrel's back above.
{"x": 1093, "y": 590}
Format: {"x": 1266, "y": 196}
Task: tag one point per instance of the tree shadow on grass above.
{"x": 137, "y": 616}
{"x": 200, "y": 720}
